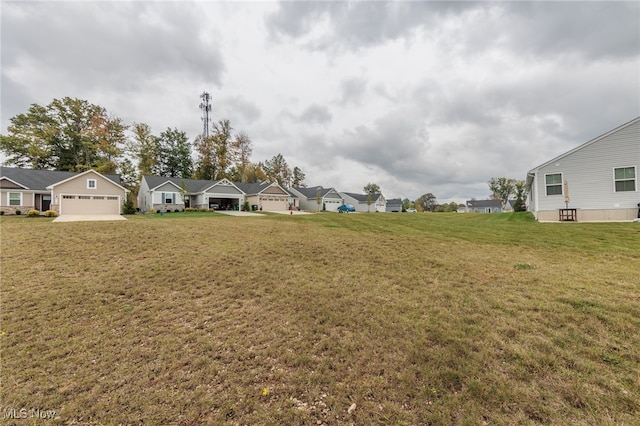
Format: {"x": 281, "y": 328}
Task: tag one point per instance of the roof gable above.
{"x": 586, "y": 144}
{"x": 88, "y": 172}
{"x": 40, "y": 180}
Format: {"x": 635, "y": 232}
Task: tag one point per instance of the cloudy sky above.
{"x": 414, "y": 96}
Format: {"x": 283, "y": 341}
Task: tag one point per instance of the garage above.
{"x": 274, "y": 203}
{"x": 89, "y": 204}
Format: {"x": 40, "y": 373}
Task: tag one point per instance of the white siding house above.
{"x": 598, "y": 178}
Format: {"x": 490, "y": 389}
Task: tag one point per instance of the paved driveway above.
{"x": 87, "y": 217}
{"x": 239, "y": 213}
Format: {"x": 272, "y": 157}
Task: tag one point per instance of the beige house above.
{"x": 68, "y": 193}
{"x": 266, "y": 196}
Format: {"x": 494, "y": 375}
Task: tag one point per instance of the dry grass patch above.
{"x": 417, "y": 319}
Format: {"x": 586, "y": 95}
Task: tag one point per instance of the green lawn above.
{"x": 285, "y": 320}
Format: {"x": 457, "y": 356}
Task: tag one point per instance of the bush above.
{"x": 152, "y": 211}
{"x": 246, "y": 207}
{"x": 18, "y": 212}
{"x": 33, "y": 213}
{"x": 51, "y": 213}
{"x": 127, "y": 207}
{"x": 1, "y": 212}
{"x": 190, "y": 209}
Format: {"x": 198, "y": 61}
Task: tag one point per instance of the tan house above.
{"x": 266, "y": 196}
{"x": 68, "y": 193}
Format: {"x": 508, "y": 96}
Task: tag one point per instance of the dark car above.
{"x": 346, "y": 208}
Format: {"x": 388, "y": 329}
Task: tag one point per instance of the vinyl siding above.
{"x": 589, "y": 173}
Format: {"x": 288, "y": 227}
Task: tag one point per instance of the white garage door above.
{"x": 274, "y": 204}
{"x": 331, "y": 205}
{"x": 89, "y": 204}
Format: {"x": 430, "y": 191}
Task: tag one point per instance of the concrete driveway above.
{"x": 88, "y": 217}
{"x": 239, "y": 213}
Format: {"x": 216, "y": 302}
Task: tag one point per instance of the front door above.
{"x": 46, "y": 203}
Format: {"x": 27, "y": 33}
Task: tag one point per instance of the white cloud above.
{"x": 414, "y": 96}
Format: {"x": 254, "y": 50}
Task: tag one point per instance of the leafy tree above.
{"x": 128, "y": 175}
{"x": 298, "y": 178}
{"x": 277, "y": 170}
{"x": 222, "y": 140}
{"x": 502, "y": 188}
{"x": 144, "y": 148}
{"x": 407, "y": 204}
{"x": 206, "y": 157}
{"x": 241, "y": 149}
{"x": 519, "y": 204}
{"x": 68, "y": 134}
{"x": 371, "y": 188}
{"x": 175, "y": 154}
{"x": 426, "y": 202}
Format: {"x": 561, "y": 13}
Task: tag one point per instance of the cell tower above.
{"x": 205, "y": 106}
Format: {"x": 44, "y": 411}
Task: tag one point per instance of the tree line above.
{"x": 72, "y": 134}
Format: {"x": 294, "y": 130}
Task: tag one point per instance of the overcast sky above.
{"x": 414, "y": 96}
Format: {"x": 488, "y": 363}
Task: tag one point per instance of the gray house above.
{"x": 598, "y": 180}
{"x": 394, "y": 205}
{"x": 362, "y": 202}
{"x": 484, "y": 206}
{"x": 168, "y": 193}
{"x": 318, "y": 198}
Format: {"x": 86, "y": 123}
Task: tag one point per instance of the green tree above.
{"x": 519, "y": 204}
{"x": 241, "y": 149}
{"x": 222, "y": 140}
{"x": 175, "y": 154}
{"x": 68, "y": 134}
{"x": 277, "y": 170}
{"x": 144, "y": 148}
{"x": 426, "y": 202}
{"x": 205, "y": 148}
{"x": 298, "y": 178}
{"x": 502, "y": 188}
{"x": 371, "y": 188}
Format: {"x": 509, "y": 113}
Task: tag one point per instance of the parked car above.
{"x": 346, "y": 208}
{"x": 412, "y": 211}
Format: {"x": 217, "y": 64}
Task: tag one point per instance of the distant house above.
{"x": 68, "y": 193}
{"x": 266, "y": 196}
{"x": 365, "y": 202}
{"x": 168, "y": 193}
{"x": 484, "y": 206}
{"x": 599, "y": 179}
{"x": 394, "y": 205}
{"x": 318, "y": 198}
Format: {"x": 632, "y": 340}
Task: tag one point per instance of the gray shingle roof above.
{"x": 312, "y": 192}
{"x": 252, "y": 188}
{"x": 484, "y": 203}
{"x": 363, "y": 197}
{"x": 193, "y": 185}
{"x": 39, "y": 180}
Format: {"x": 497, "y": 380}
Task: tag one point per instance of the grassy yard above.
{"x": 321, "y": 319}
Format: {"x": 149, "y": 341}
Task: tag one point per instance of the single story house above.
{"x": 365, "y": 202}
{"x": 68, "y": 193}
{"x": 596, "y": 181}
{"x": 318, "y": 198}
{"x": 169, "y": 193}
{"x": 394, "y": 205}
{"x": 484, "y": 206}
{"x": 266, "y": 196}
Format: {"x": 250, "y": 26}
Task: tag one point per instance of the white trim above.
{"x": 635, "y": 174}
{"x": 14, "y": 182}
{"x": 9, "y": 199}
{"x": 95, "y": 184}
{"x": 546, "y": 185}
{"x": 106, "y": 197}
{"x": 50, "y": 187}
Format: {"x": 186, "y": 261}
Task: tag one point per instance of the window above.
{"x": 554, "y": 184}
{"x": 15, "y": 199}
{"x": 112, "y": 198}
{"x": 98, "y": 198}
{"x": 91, "y": 184}
{"x": 84, "y": 197}
{"x": 167, "y": 198}
{"x": 625, "y": 179}
{"x": 69, "y": 197}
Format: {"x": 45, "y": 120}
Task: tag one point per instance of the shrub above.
{"x": 152, "y": 211}
{"x": 127, "y": 207}
{"x": 1, "y": 212}
{"x": 190, "y": 209}
{"x": 18, "y": 212}
{"x": 246, "y": 207}
{"x": 51, "y": 213}
{"x": 33, "y": 213}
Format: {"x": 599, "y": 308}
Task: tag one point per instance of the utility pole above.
{"x": 205, "y": 106}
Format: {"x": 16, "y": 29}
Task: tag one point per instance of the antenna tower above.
{"x": 205, "y": 106}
